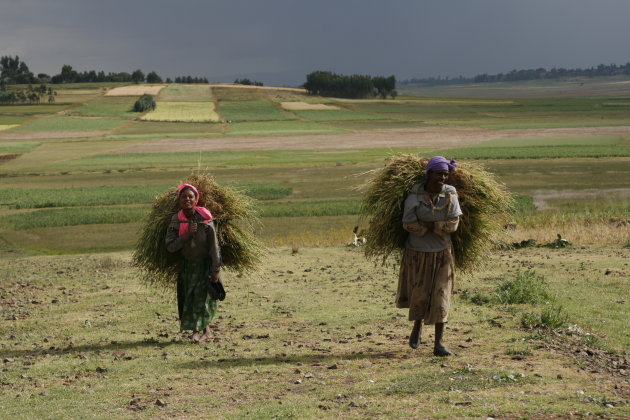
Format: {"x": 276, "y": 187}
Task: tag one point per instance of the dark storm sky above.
{"x": 279, "y": 41}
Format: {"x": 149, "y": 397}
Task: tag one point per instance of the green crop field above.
{"x": 280, "y": 128}
{"x": 239, "y": 111}
{"x": 106, "y": 110}
{"x": 185, "y": 93}
{"x": 338, "y": 115}
{"x": 12, "y": 119}
{"x": 17, "y": 147}
{"x": 313, "y": 333}
{"x": 69, "y": 124}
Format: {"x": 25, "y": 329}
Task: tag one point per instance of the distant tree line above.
{"x": 30, "y": 95}
{"x": 187, "y": 79}
{"x": 530, "y": 74}
{"x": 357, "y": 86}
{"x": 14, "y": 71}
{"x": 247, "y": 82}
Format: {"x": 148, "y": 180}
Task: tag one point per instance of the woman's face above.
{"x": 187, "y": 199}
{"x": 438, "y": 177}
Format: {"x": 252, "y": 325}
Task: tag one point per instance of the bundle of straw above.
{"x": 234, "y": 216}
{"x": 484, "y": 201}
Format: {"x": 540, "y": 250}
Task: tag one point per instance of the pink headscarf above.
{"x": 204, "y": 212}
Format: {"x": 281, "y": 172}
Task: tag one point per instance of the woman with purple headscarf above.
{"x": 192, "y": 234}
{"x": 425, "y": 284}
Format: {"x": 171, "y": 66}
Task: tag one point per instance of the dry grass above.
{"x": 234, "y": 215}
{"x": 303, "y": 106}
{"x": 183, "y": 112}
{"x": 582, "y": 234}
{"x": 7, "y": 126}
{"x": 484, "y": 202}
{"x": 135, "y": 90}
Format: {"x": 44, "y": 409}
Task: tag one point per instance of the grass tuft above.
{"x": 526, "y": 287}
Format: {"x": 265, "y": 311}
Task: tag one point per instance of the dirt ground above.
{"x": 417, "y": 138}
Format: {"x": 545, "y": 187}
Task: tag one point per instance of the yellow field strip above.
{"x": 183, "y": 112}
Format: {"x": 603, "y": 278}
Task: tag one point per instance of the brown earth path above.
{"x": 400, "y": 138}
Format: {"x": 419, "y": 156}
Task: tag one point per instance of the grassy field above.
{"x": 339, "y": 351}
{"x": 69, "y": 124}
{"x": 185, "y": 93}
{"x": 239, "y": 111}
{"x": 81, "y": 337}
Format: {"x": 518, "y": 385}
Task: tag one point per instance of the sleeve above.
{"x": 173, "y": 242}
{"x": 454, "y": 209}
{"x": 214, "y": 248}
{"x": 410, "y": 220}
{"x": 446, "y": 227}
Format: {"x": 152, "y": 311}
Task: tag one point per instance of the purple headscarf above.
{"x": 439, "y": 163}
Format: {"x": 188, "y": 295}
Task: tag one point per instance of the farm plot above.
{"x": 183, "y": 112}
{"x": 7, "y": 126}
{"x": 185, "y": 93}
{"x": 544, "y": 147}
{"x": 69, "y": 124}
{"x": 339, "y": 115}
{"x": 261, "y": 110}
{"x": 106, "y": 110}
{"x": 154, "y": 129}
{"x": 17, "y": 147}
{"x": 305, "y": 106}
{"x": 135, "y": 90}
{"x": 280, "y": 128}
{"x": 23, "y": 110}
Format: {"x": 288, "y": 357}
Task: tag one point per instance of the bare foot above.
{"x": 206, "y": 335}
{"x": 196, "y": 337}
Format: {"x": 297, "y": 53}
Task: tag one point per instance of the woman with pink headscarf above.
{"x": 192, "y": 234}
{"x": 425, "y": 283}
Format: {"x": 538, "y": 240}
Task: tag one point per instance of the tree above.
{"x": 153, "y": 77}
{"x": 13, "y": 71}
{"x": 137, "y": 76}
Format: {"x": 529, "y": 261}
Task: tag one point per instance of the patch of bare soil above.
{"x": 51, "y": 135}
{"x": 592, "y": 360}
{"x": 431, "y": 137}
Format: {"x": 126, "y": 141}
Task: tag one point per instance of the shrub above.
{"x": 526, "y": 287}
{"x": 145, "y": 103}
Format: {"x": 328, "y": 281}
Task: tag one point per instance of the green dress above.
{"x": 199, "y": 256}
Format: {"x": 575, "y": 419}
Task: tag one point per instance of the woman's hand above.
{"x": 215, "y": 276}
{"x": 192, "y": 231}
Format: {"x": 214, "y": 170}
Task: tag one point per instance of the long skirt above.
{"x": 425, "y": 285}
{"x": 196, "y": 308}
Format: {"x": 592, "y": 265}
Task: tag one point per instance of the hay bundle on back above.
{"x": 484, "y": 202}
{"x": 234, "y": 216}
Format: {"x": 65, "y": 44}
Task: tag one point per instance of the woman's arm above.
{"x": 410, "y": 220}
{"x": 214, "y": 251}
{"x": 173, "y": 241}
